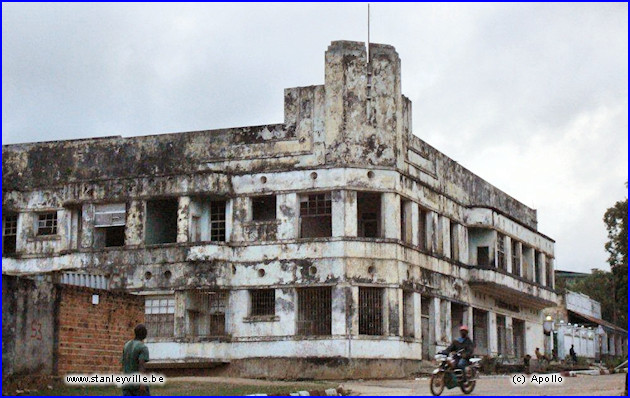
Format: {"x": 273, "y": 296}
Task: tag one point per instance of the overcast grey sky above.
{"x": 532, "y": 97}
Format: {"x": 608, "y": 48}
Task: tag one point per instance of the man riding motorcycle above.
{"x": 464, "y": 344}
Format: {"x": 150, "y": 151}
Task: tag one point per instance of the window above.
{"x": 47, "y": 224}
{"x": 195, "y": 228}
{"x": 314, "y": 311}
{"x": 206, "y": 313}
{"x": 371, "y": 311}
{"x": 159, "y": 314}
{"x": 316, "y": 216}
{"x": 422, "y": 230}
{"x": 368, "y": 215}
{"x": 516, "y": 258}
{"x": 264, "y": 208}
{"x": 217, "y": 221}
{"x": 483, "y": 255}
{"x": 9, "y": 234}
{"x": 408, "y": 315}
{"x": 263, "y": 302}
{"x": 501, "y": 263}
{"x": 161, "y": 223}
{"x": 109, "y": 225}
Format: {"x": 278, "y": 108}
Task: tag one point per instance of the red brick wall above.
{"x": 91, "y": 337}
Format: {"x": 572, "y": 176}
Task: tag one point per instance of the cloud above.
{"x": 532, "y": 97}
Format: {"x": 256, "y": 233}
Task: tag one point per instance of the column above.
{"x": 543, "y": 269}
{"x": 446, "y": 324}
{"x": 432, "y": 232}
{"x": 468, "y": 321}
{"x": 183, "y": 219}
{"x": 493, "y": 339}
{"x": 417, "y": 316}
{"x": 508, "y": 254}
{"x": 414, "y": 222}
{"x": 288, "y": 215}
{"x": 390, "y": 215}
{"x": 437, "y": 320}
{"x": 340, "y": 308}
{"x": 353, "y": 319}
{"x": 134, "y": 230}
{"x": 509, "y": 337}
{"x": 344, "y": 213}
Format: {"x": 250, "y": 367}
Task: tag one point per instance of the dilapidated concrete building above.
{"x": 335, "y": 244}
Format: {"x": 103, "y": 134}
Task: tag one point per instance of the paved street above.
{"x": 580, "y": 385}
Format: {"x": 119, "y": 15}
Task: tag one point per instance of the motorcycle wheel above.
{"x": 437, "y": 383}
{"x": 468, "y": 386}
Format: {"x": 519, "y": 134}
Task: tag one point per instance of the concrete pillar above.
{"x": 344, "y": 213}
{"x": 417, "y": 316}
{"x": 509, "y": 339}
{"x": 340, "y": 308}
{"x": 508, "y": 254}
{"x": 493, "y": 339}
{"x": 414, "y": 223}
{"x": 406, "y": 210}
{"x": 288, "y": 214}
{"x": 180, "y": 327}
{"x": 543, "y": 269}
{"x": 519, "y": 267}
{"x": 134, "y": 229}
{"x": 446, "y": 321}
{"x": 468, "y": 321}
{"x": 229, "y": 219}
{"x": 432, "y": 232}
{"x": 183, "y": 219}
{"x": 446, "y": 236}
{"x": 437, "y": 315}
{"x": 353, "y": 319}
{"x": 395, "y": 312}
{"x": 463, "y": 244}
{"x": 390, "y": 215}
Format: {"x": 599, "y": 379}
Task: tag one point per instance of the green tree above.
{"x": 616, "y": 220}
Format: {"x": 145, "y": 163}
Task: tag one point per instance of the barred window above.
{"x": 314, "y": 311}
{"x": 371, "y": 311}
{"x": 159, "y": 314}
{"x": 206, "y": 313}
{"x": 316, "y": 216}
{"x": 47, "y": 223}
{"x": 217, "y": 221}
{"x": 263, "y": 302}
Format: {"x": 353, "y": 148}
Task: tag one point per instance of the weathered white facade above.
{"x": 229, "y": 232}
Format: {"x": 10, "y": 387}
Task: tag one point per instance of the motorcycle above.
{"x": 448, "y": 375}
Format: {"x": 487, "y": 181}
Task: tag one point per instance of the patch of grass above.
{"x": 190, "y": 388}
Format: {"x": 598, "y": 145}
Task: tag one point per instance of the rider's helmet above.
{"x": 463, "y": 327}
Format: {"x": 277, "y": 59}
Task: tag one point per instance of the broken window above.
{"x": 405, "y": 222}
{"x": 483, "y": 255}
{"x": 518, "y": 337}
{"x": 315, "y": 216}
{"x": 109, "y": 225}
{"x": 368, "y": 215}
{"x": 422, "y": 230}
{"x": 501, "y": 263}
{"x": 408, "y": 315}
{"x": 549, "y": 271}
{"x": 371, "y": 311}
{"x": 516, "y": 258}
{"x": 9, "y": 234}
{"x": 47, "y": 223}
{"x": 161, "y": 224}
{"x": 262, "y": 302}
{"x": 217, "y": 221}
{"x": 159, "y": 316}
{"x": 264, "y": 208}
{"x": 207, "y": 220}
{"x": 206, "y": 313}
{"x": 314, "y": 311}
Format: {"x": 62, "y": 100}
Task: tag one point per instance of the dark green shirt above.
{"x": 133, "y": 352}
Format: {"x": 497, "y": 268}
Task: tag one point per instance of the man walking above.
{"x": 135, "y": 356}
